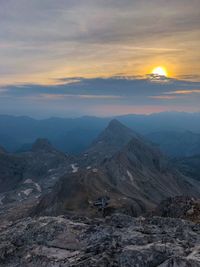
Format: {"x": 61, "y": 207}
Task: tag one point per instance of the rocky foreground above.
{"x": 119, "y": 240}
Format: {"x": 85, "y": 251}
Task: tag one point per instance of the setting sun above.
{"x": 160, "y": 71}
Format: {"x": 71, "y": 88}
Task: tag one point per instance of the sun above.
{"x": 161, "y": 71}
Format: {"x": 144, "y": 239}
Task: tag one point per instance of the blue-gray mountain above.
{"x": 177, "y": 144}
{"x": 132, "y": 172}
{"x": 76, "y": 135}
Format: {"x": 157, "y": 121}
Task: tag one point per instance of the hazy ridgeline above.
{"x": 75, "y": 135}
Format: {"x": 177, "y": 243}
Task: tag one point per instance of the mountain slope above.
{"x": 140, "y": 170}
{"x": 11, "y": 171}
{"x": 135, "y": 179}
{"x": 30, "y": 174}
{"x": 43, "y": 159}
{"x": 177, "y": 144}
{"x": 2, "y": 150}
{"x": 189, "y": 166}
{"x": 112, "y": 139}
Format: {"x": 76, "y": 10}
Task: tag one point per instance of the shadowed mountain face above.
{"x": 177, "y": 144}
{"x": 135, "y": 178}
{"x": 28, "y": 174}
{"x": 145, "y": 173}
{"x": 42, "y": 158}
{"x": 42, "y": 145}
{"x": 189, "y": 166}
{"x": 2, "y": 150}
{"x": 110, "y": 141}
{"x": 11, "y": 171}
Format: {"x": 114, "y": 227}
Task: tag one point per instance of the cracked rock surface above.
{"x": 118, "y": 240}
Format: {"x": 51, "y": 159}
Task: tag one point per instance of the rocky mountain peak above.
{"x": 116, "y": 127}
{"x": 116, "y": 135}
{"x": 115, "y": 123}
{"x": 111, "y": 140}
{"x": 42, "y": 144}
{"x": 2, "y": 150}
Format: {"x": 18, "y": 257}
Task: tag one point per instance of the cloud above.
{"x": 81, "y": 96}
{"x": 61, "y": 96}
{"x": 41, "y": 40}
{"x": 111, "y": 87}
{"x": 184, "y": 92}
{"x": 189, "y": 77}
{"x": 160, "y": 97}
{"x": 77, "y": 57}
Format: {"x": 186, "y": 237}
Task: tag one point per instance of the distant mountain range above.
{"x": 76, "y": 135}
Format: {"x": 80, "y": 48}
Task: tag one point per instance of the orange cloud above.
{"x": 163, "y": 97}
{"x": 176, "y": 94}
{"x": 184, "y": 92}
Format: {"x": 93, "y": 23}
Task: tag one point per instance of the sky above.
{"x": 94, "y": 57}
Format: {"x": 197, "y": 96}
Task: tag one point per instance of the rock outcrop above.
{"x": 180, "y": 207}
{"x": 119, "y": 241}
{"x": 29, "y": 174}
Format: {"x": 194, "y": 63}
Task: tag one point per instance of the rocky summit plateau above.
{"x": 117, "y": 240}
{"x": 121, "y": 202}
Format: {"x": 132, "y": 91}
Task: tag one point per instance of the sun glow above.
{"x": 161, "y": 71}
